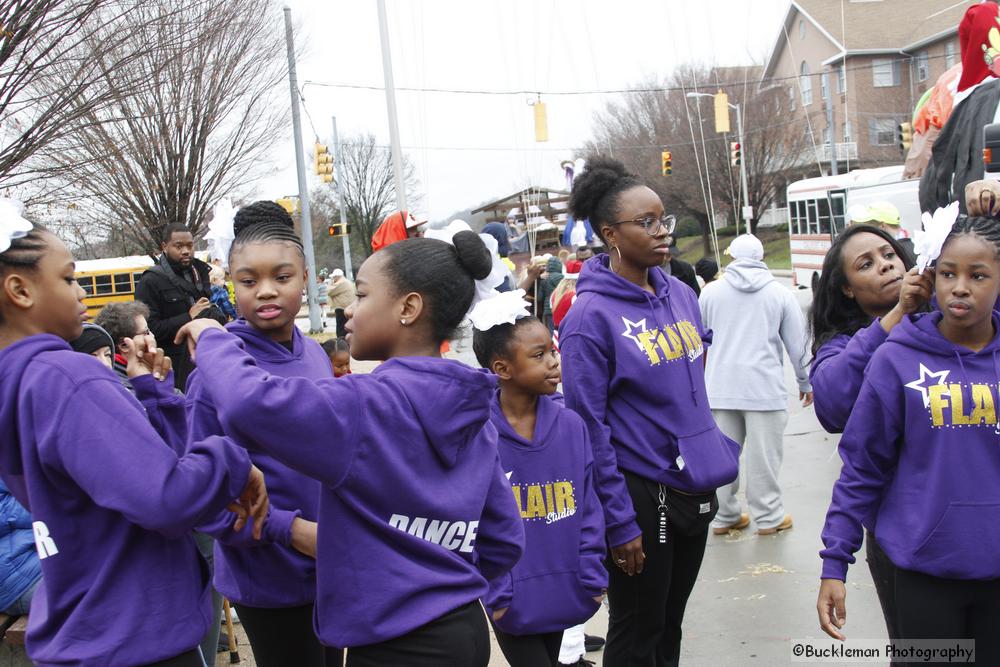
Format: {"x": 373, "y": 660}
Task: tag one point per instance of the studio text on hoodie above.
{"x": 113, "y": 508}
{"x": 265, "y": 573}
{"x": 633, "y": 368}
{"x": 554, "y": 584}
{"x": 415, "y": 511}
{"x": 753, "y": 319}
{"x": 921, "y": 460}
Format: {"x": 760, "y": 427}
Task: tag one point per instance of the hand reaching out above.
{"x": 193, "y": 330}
{"x": 145, "y": 358}
{"x": 252, "y": 503}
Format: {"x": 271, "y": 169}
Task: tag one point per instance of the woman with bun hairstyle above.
{"x": 632, "y": 349}
{"x": 416, "y": 514}
{"x": 272, "y": 585}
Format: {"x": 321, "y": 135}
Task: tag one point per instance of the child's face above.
{"x": 103, "y": 355}
{"x": 267, "y": 280}
{"x": 341, "y": 362}
{"x": 967, "y": 281}
{"x": 372, "y": 326}
{"x": 533, "y": 363}
{"x": 49, "y": 296}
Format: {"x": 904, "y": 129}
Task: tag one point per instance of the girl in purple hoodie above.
{"x": 546, "y": 455}
{"x": 272, "y": 585}
{"x": 112, "y": 504}
{"x": 633, "y": 348}
{"x": 415, "y": 513}
{"x": 921, "y": 463}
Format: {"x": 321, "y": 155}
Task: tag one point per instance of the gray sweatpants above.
{"x": 760, "y": 436}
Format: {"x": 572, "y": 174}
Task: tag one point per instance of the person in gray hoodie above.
{"x": 753, "y": 317}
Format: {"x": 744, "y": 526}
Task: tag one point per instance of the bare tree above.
{"x": 369, "y": 186}
{"x": 659, "y": 116}
{"x": 200, "y": 130}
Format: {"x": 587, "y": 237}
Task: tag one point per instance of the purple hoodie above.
{"x": 415, "y": 512}
{"x": 268, "y": 573}
{"x": 921, "y": 460}
{"x": 113, "y": 507}
{"x": 837, "y": 372}
{"x": 553, "y": 586}
{"x": 633, "y": 369}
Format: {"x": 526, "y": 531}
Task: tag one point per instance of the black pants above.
{"x": 191, "y": 658}
{"x": 529, "y": 650}
{"x": 457, "y": 639}
{"x": 884, "y": 577}
{"x": 930, "y": 607}
{"x": 282, "y": 637}
{"x": 646, "y": 610}
{"x": 341, "y": 318}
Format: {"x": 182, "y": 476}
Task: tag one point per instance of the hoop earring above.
{"x": 618, "y": 250}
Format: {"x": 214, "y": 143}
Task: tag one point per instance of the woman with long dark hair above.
{"x": 867, "y": 287}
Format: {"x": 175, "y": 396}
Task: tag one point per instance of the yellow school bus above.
{"x": 110, "y": 280}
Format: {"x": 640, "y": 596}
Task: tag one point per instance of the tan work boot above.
{"x": 742, "y": 523}
{"x": 785, "y": 524}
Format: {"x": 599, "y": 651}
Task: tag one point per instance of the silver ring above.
{"x": 621, "y": 561}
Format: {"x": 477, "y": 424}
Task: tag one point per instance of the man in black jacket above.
{"x": 176, "y": 290}
{"x": 678, "y": 268}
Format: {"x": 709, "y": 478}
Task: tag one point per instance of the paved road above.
{"x": 755, "y": 594}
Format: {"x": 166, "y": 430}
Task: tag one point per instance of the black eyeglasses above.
{"x": 652, "y": 224}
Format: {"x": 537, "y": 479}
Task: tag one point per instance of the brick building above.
{"x": 873, "y": 59}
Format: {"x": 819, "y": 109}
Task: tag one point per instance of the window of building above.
{"x": 791, "y": 98}
{"x": 923, "y": 66}
{"x": 802, "y": 29}
{"x": 882, "y": 131}
{"x": 826, "y": 135}
{"x": 841, "y": 79}
{"x": 885, "y": 72}
{"x": 805, "y": 83}
{"x": 822, "y": 87}
{"x": 848, "y": 133}
{"x": 949, "y": 55}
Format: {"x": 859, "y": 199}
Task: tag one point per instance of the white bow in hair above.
{"x": 485, "y": 288}
{"x": 12, "y": 225}
{"x": 927, "y": 243}
{"x": 501, "y": 308}
{"x": 220, "y": 231}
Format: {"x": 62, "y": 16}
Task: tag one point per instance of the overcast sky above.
{"x": 472, "y": 148}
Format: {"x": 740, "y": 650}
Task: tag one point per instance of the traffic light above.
{"x": 339, "y": 229}
{"x": 721, "y": 112}
{"x": 905, "y": 133}
{"x": 735, "y": 153}
{"x": 668, "y": 167}
{"x": 323, "y": 162}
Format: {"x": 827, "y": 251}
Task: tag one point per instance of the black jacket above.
{"x": 684, "y": 272}
{"x": 169, "y": 297}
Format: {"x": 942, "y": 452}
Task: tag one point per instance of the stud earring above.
{"x": 403, "y": 322}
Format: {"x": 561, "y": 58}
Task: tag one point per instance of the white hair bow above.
{"x": 12, "y": 224}
{"x": 501, "y": 308}
{"x": 220, "y": 231}
{"x": 485, "y": 288}
{"x": 927, "y": 243}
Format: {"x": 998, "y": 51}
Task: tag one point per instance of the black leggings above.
{"x": 529, "y": 650}
{"x": 191, "y": 658}
{"x": 646, "y": 610}
{"x": 457, "y": 639}
{"x": 285, "y": 636}
{"x": 884, "y": 577}
{"x": 930, "y": 607}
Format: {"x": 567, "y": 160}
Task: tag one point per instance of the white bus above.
{"x": 817, "y": 212}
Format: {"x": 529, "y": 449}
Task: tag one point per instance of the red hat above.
{"x": 980, "y": 58}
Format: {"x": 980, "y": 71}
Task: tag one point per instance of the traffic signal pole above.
{"x": 747, "y": 209}
{"x": 312, "y": 294}
{"x": 339, "y": 160}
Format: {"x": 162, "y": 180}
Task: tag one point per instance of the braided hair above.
{"x": 986, "y": 228}
{"x": 25, "y": 252}
{"x": 596, "y": 190}
{"x": 264, "y": 222}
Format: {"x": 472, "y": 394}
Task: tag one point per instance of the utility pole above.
{"x": 747, "y": 208}
{"x": 339, "y": 161}
{"x": 312, "y": 295}
{"x": 829, "y": 124}
{"x": 390, "y": 103}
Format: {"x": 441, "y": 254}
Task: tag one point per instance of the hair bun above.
{"x": 473, "y": 254}
{"x": 600, "y": 175}
{"x": 260, "y": 212}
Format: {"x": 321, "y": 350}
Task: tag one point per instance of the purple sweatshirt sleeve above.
{"x": 593, "y": 548}
{"x": 869, "y": 449}
{"x": 500, "y": 535}
{"x": 165, "y": 409}
{"x": 837, "y": 373}
{"x": 107, "y": 446}
{"x": 586, "y": 376}
{"x": 309, "y": 426}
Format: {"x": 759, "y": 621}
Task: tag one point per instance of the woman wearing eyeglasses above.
{"x": 633, "y": 349}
